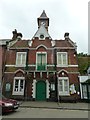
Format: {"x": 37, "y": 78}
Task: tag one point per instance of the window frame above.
{"x": 63, "y": 93}
{"x": 21, "y": 64}
{"x": 62, "y": 65}
{"x": 37, "y": 59}
{"x": 84, "y": 90}
{"x": 19, "y": 92}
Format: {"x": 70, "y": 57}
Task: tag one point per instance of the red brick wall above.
{"x": 11, "y": 57}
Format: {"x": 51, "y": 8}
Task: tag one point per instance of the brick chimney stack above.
{"x": 16, "y": 35}
{"x": 66, "y": 35}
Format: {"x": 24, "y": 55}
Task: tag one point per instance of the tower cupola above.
{"x": 43, "y": 19}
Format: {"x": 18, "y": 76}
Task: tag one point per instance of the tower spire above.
{"x": 43, "y": 19}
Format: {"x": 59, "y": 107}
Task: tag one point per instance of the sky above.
{"x": 64, "y": 15}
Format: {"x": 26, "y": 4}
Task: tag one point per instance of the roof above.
{"x": 42, "y": 30}
{"x": 87, "y": 81}
{"x": 20, "y": 44}
{"x": 43, "y": 15}
{"x": 4, "y": 41}
{"x": 63, "y": 43}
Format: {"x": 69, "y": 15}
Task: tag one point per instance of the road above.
{"x": 46, "y": 113}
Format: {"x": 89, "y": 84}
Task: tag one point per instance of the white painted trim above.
{"x": 51, "y": 65}
{"x": 60, "y": 78}
{"x": 47, "y": 48}
{"x": 18, "y": 92}
{"x": 64, "y": 48}
{"x": 47, "y": 89}
{"x": 41, "y": 45}
{"x": 63, "y": 93}
{"x": 20, "y": 71}
{"x": 10, "y": 65}
{"x": 34, "y": 88}
{"x": 72, "y": 65}
{"x": 9, "y": 72}
{"x": 36, "y": 58}
{"x": 35, "y": 65}
{"x": 62, "y": 70}
{"x": 19, "y": 78}
{"x": 20, "y": 65}
{"x": 12, "y": 48}
{"x": 62, "y": 65}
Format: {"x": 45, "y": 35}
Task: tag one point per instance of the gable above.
{"x": 42, "y": 33}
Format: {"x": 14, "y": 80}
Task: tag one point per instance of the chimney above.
{"x": 19, "y": 36}
{"x": 14, "y": 34}
{"x": 66, "y": 35}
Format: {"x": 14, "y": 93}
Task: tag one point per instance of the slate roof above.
{"x": 36, "y": 42}
{"x": 63, "y": 43}
{"x": 43, "y": 15}
{"x": 20, "y": 43}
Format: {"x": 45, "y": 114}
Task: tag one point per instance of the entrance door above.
{"x": 41, "y": 90}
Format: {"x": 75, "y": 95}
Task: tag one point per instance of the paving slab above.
{"x": 55, "y": 105}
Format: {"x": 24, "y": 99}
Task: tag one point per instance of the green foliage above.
{"x": 84, "y": 63}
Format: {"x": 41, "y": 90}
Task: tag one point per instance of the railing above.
{"x": 41, "y": 66}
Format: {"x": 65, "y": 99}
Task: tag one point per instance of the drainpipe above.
{"x": 26, "y": 73}
{"x": 56, "y": 79}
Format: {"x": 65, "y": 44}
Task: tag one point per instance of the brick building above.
{"x": 41, "y": 68}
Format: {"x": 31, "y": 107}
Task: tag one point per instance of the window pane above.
{"x": 23, "y": 59}
{"x": 60, "y": 85}
{"x": 84, "y": 91}
{"x": 59, "y": 59}
{"x": 38, "y": 58}
{"x": 21, "y": 85}
{"x": 64, "y": 58}
{"x": 16, "y": 82}
{"x": 16, "y": 85}
{"x": 43, "y": 58}
{"x": 66, "y": 85}
{"x": 19, "y": 59}
{"x": 41, "y": 61}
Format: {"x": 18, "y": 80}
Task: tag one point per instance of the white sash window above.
{"x": 18, "y": 86}
{"x": 63, "y": 86}
{"x": 21, "y": 59}
{"x": 62, "y": 59}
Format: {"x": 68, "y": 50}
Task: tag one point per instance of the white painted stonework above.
{"x": 47, "y": 89}
{"x": 34, "y": 89}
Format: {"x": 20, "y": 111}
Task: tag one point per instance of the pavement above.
{"x": 55, "y": 105}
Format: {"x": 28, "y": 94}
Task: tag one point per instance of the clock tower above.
{"x": 43, "y": 19}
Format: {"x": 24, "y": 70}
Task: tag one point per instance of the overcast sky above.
{"x": 65, "y": 16}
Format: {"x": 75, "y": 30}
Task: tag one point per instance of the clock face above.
{"x": 43, "y": 23}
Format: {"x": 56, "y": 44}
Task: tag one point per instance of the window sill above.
{"x": 63, "y": 94}
{"x": 20, "y": 66}
{"x": 62, "y": 65}
{"x": 18, "y": 93}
